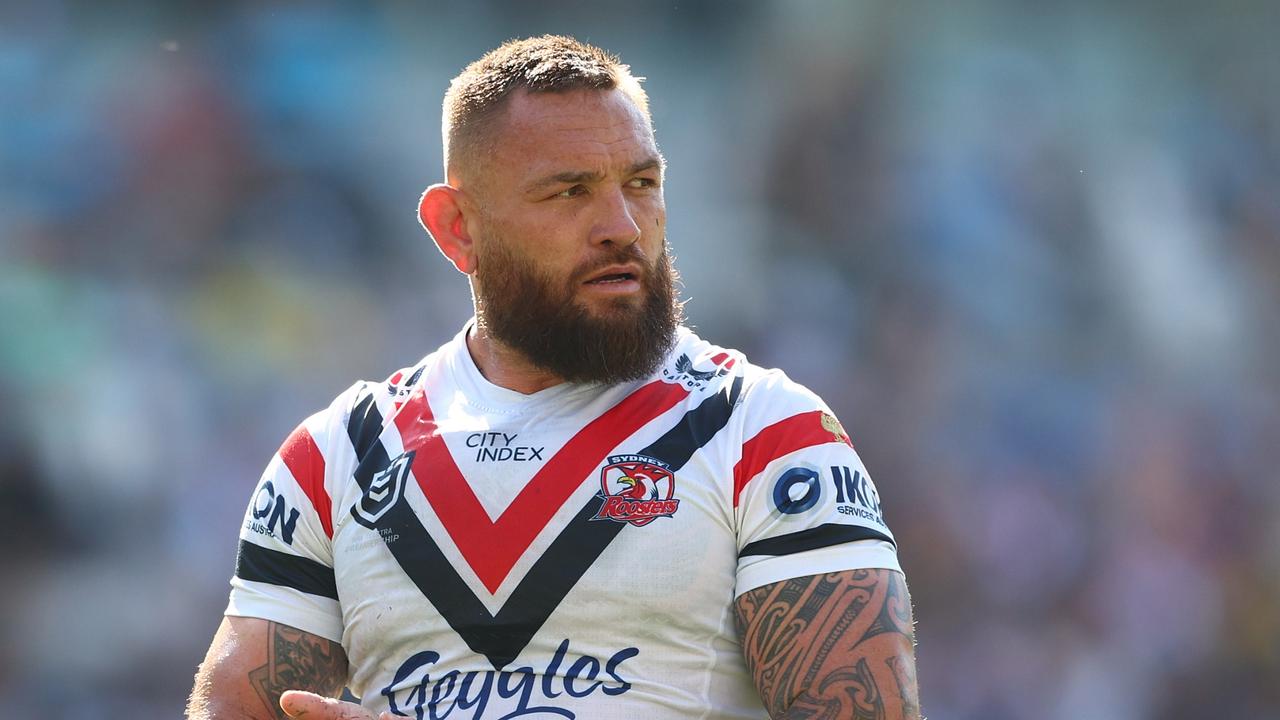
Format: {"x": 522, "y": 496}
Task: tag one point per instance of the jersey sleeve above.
{"x": 803, "y": 501}
{"x": 284, "y": 563}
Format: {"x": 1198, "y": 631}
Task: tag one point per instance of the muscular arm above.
{"x": 839, "y": 645}
{"x": 251, "y": 662}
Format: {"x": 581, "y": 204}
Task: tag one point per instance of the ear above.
{"x": 441, "y": 212}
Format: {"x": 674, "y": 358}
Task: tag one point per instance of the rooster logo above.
{"x": 640, "y": 486}
{"x": 636, "y": 489}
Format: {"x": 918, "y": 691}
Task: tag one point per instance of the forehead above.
{"x": 599, "y": 130}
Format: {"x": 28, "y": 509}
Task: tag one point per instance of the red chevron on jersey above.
{"x": 306, "y": 464}
{"x": 566, "y": 581}
{"x": 492, "y": 548}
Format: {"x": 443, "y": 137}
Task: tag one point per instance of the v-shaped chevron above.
{"x": 501, "y": 637}
{"x": 492, "y": 547}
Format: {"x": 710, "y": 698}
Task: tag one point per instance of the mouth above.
{"x": 614, "y": 275}
{"x": 615, "y": 281}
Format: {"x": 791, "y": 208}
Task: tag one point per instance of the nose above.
{"x": 616, "y": 222}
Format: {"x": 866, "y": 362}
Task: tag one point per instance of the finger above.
{"x": 301, "y": 704}
{"x": 297, "y": 703}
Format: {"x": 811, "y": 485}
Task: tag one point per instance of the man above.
{"x": 576, "y": 507}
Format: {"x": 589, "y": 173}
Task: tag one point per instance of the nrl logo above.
{"x": 384, "y": 491}
{"x": 637, "y": 489}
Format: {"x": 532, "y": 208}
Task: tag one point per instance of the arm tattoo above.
{"x": 832, "y": 646}
{"x": 298, "y": 660}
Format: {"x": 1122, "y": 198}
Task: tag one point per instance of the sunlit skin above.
{"x": 566, "y": 176}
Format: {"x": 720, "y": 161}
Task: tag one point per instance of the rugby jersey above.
{"x": 575, "y": 552}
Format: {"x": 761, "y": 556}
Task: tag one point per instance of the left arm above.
{"x": 838, "y": 645}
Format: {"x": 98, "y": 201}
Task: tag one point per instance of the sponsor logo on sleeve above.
{"x": 856, "y": 495}
{"x": 268, "y": 515}
{"x": 539, "y": 692}
{"x": 637, "y": 489}
{"x": 796, "y": 490}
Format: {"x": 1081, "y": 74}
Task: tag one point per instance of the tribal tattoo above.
{"x": 298, "y": 660}
{"x": 839, "y": 645}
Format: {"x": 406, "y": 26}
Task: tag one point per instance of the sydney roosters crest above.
{"x": 636, "y": 489}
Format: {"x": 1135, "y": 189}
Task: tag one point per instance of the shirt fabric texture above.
{"x": 575, "y": 552}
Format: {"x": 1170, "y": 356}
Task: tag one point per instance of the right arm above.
{"x": 259, "y": 669}
{"x": 252, "y": 662}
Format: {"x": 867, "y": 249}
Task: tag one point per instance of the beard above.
{"x": 540, "y": 317}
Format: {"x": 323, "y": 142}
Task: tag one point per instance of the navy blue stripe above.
{"x": 581, "y": 543}
{"x": 696, "y": 428}
{"x": 500, "y": 638}
{"x": 259, "y": 564}
{"x": 416, "y": 551}
{"x": 364, "y": 426}
{"x": 812, "y": 539}
{"x": 413, "y": 379}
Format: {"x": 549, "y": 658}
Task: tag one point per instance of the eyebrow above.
{"x": 574, "y": 177}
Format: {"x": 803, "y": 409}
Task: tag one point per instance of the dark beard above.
{"x": 535, "y": 316}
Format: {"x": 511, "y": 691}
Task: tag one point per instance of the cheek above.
{"x": 551, "y": 245}
{"x": 656, "y": 226}
{"x": 530, "y": 234}
{"x": 655, "y": 210}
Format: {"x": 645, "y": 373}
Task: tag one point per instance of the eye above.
{"x": 573, "y": 191}
{"x": 642, "y": 182}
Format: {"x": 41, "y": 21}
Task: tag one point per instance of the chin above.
{"x": 610, "y": 304}
{"x": 617, "y": 306}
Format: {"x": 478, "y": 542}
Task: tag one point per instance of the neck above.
{"x": 505, "y": 367}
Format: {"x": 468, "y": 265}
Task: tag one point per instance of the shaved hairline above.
{"x": 478, "y": 99}
{"x": 463, "y": 151}
{"x": 469, "y": 147}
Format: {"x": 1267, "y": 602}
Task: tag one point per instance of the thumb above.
{"x": 301, "y": 704}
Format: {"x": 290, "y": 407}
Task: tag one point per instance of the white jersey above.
{"x": 481, "y": 553}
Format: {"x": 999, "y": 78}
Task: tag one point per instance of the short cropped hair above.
{"x": 551, "y": 63}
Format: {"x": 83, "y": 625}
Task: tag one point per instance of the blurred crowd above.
{"x": 1031, "y": 257}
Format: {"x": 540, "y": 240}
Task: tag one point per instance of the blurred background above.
{"x": 1029, "y": 252}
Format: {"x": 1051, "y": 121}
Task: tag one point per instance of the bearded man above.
{"x": 576, "y": 507}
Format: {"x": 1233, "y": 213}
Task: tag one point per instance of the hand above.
{"x": 299, "y": 704}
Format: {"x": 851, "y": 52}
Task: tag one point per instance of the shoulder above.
{"x": 697, "y": 364}
{"x": 771, "y": 393}
{"x": 764, "y": 400}
{"x": 358, "y": 414}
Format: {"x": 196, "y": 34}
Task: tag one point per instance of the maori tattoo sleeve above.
{"x": 298, "y": 660}
{"x": 839, "y": 645}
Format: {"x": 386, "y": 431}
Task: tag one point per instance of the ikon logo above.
{"x": 384, "y": 492}
{"x": 796, "y": 490}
